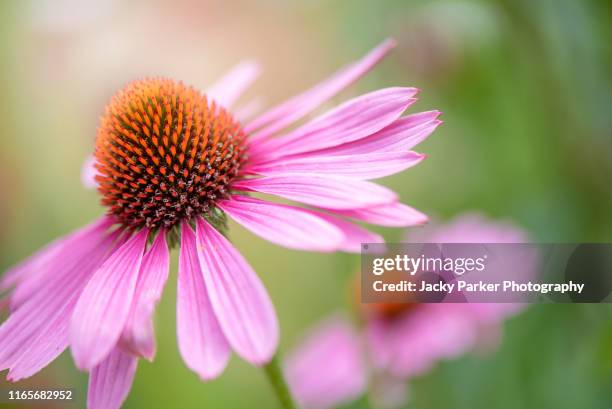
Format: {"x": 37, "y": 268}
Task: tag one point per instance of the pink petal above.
{"x": 38, "y": 264}
{"x": 138, "y": 335}
{"x": 327, "y": 369}
{"x": 326, "y": 192}
{"x": 354, "y": 235}
{"x": 301, "y": 105}
{"x": 229, "y": 88}
{"x": 201, "y": 341}
{"x": 110, "y": 381}
{"x": 392, "y": 214}
{"x": 284, "y": 225}
{"x": 37, "y": 332}
{"x": 104, "y": 305}
{"x": 493, "y": 313}
{"x": 414, "y": 343}
{"x": 361, "y": 166}
{"x": 60, "y": 259}
{"x": 402, "y": 135}
{"x": 377, "y": 335}
{"x": 351, "y": 121}
{"x": 89, "y": 173}
{"x": 239, "y": 299}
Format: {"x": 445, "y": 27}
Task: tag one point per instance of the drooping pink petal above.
{"x": 327, "y": 369}
{"x": 392, "y": 214}
{"x": 351, "y": 121}
{"x": 229, "y": 88}
{"x": 111, "y": 380}
{"x": 200, "y": 338}
{"x": 378, "y": 335}
{"x": 138, "y": 335}
{"x": 400, "y": 136}
{"x": 20, "y": 271}
{"x": 240, "y": 301}
{"x": 295, "y": 227}
{"x": 284, "y": 225}
{"x": 453, "y": 325}
{"x": 37, "y": 331}
{"x": 61, "y": 264}
{"x": 89, "y": 173}
{"x": 297, "y": 107}
{"x": 361, "y": 166}
{"x": 325, "y": 192}
{"x": 354, "y": 235}
{"x": 60, "y": 249}
{"x": 493, "y": 313}
{"x": 104, "y": 305}
{"x": 415, "y": 342}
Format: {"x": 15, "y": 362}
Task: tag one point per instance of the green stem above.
{"x": 277, "y": 380}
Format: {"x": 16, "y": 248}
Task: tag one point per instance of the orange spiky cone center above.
{"x": 165, "y": 153}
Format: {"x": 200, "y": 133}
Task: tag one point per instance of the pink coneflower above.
{"x": 172, "y": 164}
{"x": 399, "y": 341}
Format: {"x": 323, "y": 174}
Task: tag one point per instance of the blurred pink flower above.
{"x": 408, "y": 343}
{"x": 400, "y": 341}
{"x": 171, "y": 162}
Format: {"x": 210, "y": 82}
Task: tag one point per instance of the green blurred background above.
{"x": 526, "y": 91}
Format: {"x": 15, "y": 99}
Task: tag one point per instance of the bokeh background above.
{"x": 526, "y": 91}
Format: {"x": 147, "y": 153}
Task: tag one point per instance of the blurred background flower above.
{"x": 399, "y": 341}
{"x": 525, "y": 88}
